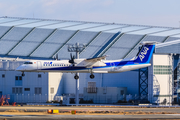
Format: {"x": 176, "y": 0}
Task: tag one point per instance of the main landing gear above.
{"x": 91, "y": 76}
{"x": 77, "y": 77}
{"x": 23, "y": 74}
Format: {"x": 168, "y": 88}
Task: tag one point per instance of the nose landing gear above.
{"x": 76, "y": 77}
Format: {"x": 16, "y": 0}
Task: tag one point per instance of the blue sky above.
{"x": 141, "y": 12}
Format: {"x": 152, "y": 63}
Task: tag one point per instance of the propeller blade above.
{"x": 71, "y": 56}
{"x": 56, "y": 56}
{"x": 72, "y": 59}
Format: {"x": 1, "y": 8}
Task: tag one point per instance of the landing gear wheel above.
{"x": 91, "y": 76}
{"x": 23, "y": 74}
{"x": 76, "y": 77}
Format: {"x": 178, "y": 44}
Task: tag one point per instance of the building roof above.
{"x": 44, "y": 38}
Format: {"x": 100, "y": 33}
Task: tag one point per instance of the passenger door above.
{"x": 39, "y": 66}
{"x": 112, "y": 66}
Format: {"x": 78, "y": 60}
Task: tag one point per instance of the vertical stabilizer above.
{"x": 146, "y": 52}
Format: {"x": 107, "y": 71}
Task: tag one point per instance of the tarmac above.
{"x": 88, "y": 112}
{"x": 88, "y": 117}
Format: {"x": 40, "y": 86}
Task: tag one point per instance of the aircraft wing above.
{"x": 91, "y": 62}
{"x": 96, "y": 59}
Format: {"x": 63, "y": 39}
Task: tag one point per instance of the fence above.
{"x": 116, "y": 99}
{"x": 109, "y": 99}
{"x": 96, "y": 99}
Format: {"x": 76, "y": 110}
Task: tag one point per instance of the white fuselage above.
{"x": 92, "y": 65}
{"x": 65, "y": 67}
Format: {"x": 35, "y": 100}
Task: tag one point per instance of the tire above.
{"x": 76, "y": 77}
{"x": 91, "y": 76}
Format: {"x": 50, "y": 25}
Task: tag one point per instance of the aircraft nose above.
{"x": 20, "y": 68}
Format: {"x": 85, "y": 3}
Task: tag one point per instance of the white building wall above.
{"x": 55, "y": 82}
{"x": 30, "y": 81}
{"x": 106, "y": 94}
{"x": 128, "y": 79}
{"x": 160, "y": 84}
{"x": 70, "y": 82}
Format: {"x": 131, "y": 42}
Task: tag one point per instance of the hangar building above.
{"x": 26, "y": 38}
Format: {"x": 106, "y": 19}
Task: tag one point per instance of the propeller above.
{"x": 55, "y": 57}
{"x": 72, "y": 59}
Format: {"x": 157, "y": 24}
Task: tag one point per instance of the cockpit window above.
{"x": 28, "y": 63}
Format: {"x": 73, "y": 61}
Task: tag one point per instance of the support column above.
{"x": 77, "y": 80}
{"x": 143, "y": 83}
{"x": 76, "y": 48}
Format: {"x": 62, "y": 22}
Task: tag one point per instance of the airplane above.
{"x": 92, "y": 65}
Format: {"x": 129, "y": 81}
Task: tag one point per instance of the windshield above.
{"x": 28, "y": 63}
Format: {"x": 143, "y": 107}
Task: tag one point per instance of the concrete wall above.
{"x": 105, "y": 94}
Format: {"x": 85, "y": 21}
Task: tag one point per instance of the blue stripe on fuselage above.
{"x": 108, "y": 65}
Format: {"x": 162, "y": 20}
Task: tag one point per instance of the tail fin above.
{"x": 146, "y": 52}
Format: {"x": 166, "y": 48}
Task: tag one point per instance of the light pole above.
{"x": 76, "y": 48}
